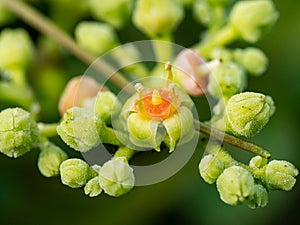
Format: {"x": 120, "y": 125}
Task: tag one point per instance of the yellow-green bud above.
{"x": 247, "y": 113}
{"x": 18, "y": 132}
{"x": 226, "y": 80}
{"x": 107, "y": 105}
{"x": 253, "y": 59}
{"x": 235, "y": 185}
{"x": 116, "y": 177}
{"x": 16, "y": 48}
{"x": 210, "y": 168}
{"x": 259, "y": 198}
{"x": 280, "y": 174}
{"x": 95, "y": 37}
{"x": 92, "y": 187}
{"x": 50, "y": 159}
{"x": 156, "y": 17}
{"x": 222, "y": 54}
{"x": 253, "y": 19}
{"x": 258, "y": 162}
{"x": 203, "y": 12}
{"x": 79, "y": 129}
{"x": 114, "y": 12}
{"x": 74, "y": 172}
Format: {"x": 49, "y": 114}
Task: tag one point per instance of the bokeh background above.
{"x": 26, "y": 197}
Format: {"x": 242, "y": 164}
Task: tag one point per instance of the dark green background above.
{"x": 26, "y": 197}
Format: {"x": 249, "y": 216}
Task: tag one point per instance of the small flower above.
{"x": 75, "y": 173}
{"x": 258, "y": 162}
{"x": 95, "y": 37}
{"x": 280, "y": 174}
{"x": 210, "y": 168}
{"x": 247, "y": 113}
{"x": 50, "y": 158}
{"x": 235, "y": 185}
{"x": 18, "y": 132}
{"x": 203, "y": 12}
{"x": 92, "y": 187}
{"x": 77, "y": 91}
{"x": 156, "y": 17}
{"x": 116, "y": 177}
{"x": 114, "y": 12}
{"x": 226, "y": 80}
{"x": 253, "y": 59}
{"x": 253, "y": 19}
{"x": 259, "y": 198}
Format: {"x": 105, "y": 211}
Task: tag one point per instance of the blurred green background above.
{"x": 26, "y": 197}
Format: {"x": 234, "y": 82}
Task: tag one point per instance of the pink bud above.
{"x": 77, "y": 90}
{"x": 193, "y": 72}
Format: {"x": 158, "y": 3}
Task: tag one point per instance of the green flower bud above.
{"x": 259, "y": 198}
{"x": 92, "y": 187}
{"x": 50, "y": 159}
{"x": 258, "y": 162}
{"x": 18, "y": 132}
{"x": 114, "y": 12}
{"x": 107, "y": 105}
{"x": 116, "y": 177}
{"x": 203, "y": 12}
{"x": 253, "y": 19}
{"x": 226, "y": 80}
{"x": 75, "y": 173}
{"x": 222, "y": 54}
{"x": 156, "y": 17}
{"x": 79, "y": 129}
{"x": 95, "y": 37}
{"x": 247, "y": 113}
{"x": 210, "y": 168}
{"x": 179, "y": 128}
{"x": 16, "y": 48}
{"x": 253, "y": 59}
{"x": 235, "y": 185}
{"x": 281, "y": 175}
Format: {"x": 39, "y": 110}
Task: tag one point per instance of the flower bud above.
{"x": 50, "y": 159}
{"x": 281, "y": 175}
{"x": 107, "y": 105}
{"x": 114, "y": 12}
{"x": 259, "y": 198}
{"x": 116, "y": 177}
{"x": 210, "y": 168}
{"x": 92, "y": 187}
{"x": 95, "y": 37}
{"x": 16, "y": 48}
{"x": 203, "y": 12}
{"x": 75, "y": 173}
{"x": 79, "y": 129}
{"x": 77, "y": 91}
{"x": 253, "y": 59}
{"x": 226, "y": 80}
{"x": 235, "y": 185}
{"x": 18, "y": 132}
{"x": 156, "y": 17}
{"x": 247, "y": 113}
{"x": 253, "y": 19}
{"x": 258, "y": 162}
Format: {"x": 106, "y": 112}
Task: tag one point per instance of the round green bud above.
{"x": 95, "y": 37}
{"x": 156, "y": 17}
{"x": 259, "y": 198}
{"x": 74, "y": 172}
{"x": 253, "y": 19}
{"x": 92, "y": 187}
{"x": 79, "y": 129}
{"x": 226, "y": 80}
{"x": 16, "y": 48}
{"x": 247, "y": 113}
{"x": 222, "y": 54}
{"x": 18, "y": 132}
{"x": 210, "y": 168}
{"x": 107, "y": 105}
{"x": 50, "y": 159}
{"x": 280, "y": 174}
{"x": 235, "y": 185}
{"x": 258, "y": 162}
{"x": 114, "y": 12}
{"x": 203, "y": 12}
{"x": 253, "y": 59}
{"x": 116, "y": 177}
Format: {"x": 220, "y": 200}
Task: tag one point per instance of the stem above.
{"x": 47, "y": 130}
{"x": 45, "y": 26}
{"x": 124, "y": 152}
{"x": 230, "y": 139}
